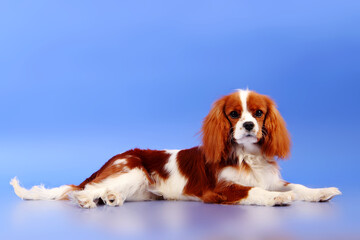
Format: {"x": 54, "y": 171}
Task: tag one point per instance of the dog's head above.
{"x": 244, "y": 118}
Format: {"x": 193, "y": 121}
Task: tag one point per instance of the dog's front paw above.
{"x": 328, "y": 193}
{"x": 319, "y": 194}
{"x": 282, "y": 199}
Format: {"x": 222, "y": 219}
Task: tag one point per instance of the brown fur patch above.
{"x": 274, "y": 137}
{"x": 256, "y": 102}
{"x": 150, "y": 161}
{"x": 217, "y": 126}
{"x": 202, "y": 178}
{"x": 200, "y": 174}
{"x": 226, "y": 193}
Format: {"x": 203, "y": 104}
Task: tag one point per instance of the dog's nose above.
{"x": 248, "y": 125}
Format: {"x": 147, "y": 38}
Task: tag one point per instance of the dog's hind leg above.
{"x": 115, "y": 189}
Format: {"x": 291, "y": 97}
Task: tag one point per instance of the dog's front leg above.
{"x": 232, "y": 193}
{"x": 308, "y": 194}
{"x": 259, "y": 196}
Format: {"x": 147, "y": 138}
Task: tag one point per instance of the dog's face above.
{"x": 246, "y": 112}
{"x": 245, "y": 117}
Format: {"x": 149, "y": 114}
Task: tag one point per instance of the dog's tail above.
{"x": 41, "y": 193}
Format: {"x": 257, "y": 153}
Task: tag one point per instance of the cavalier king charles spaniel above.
{"x": 242, "y": 137}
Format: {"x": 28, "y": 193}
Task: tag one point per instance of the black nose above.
{"x": 248, "y": 125}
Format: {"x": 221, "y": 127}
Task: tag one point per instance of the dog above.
{"x": 243, "y": 136}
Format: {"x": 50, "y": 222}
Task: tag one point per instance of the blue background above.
{"x": 81, "y": 81}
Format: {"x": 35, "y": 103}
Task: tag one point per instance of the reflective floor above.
{"x": 338, "y": 219}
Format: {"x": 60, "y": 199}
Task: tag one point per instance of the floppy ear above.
{"x": 215, "y": 133}
{"x": 276, "y": 141}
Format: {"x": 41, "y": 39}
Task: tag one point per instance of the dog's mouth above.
{"x": 247, "y": 138}
{"x": 249, "y": 135}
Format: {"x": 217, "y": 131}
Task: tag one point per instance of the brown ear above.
{"x": 276, "y": 141}
{"x": 215, "y": 133}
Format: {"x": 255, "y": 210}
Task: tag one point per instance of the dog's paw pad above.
{"x": 112, "y": 198}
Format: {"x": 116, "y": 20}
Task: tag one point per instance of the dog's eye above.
{"x": 258, "y": 113}
{"x": 234, "y": 114}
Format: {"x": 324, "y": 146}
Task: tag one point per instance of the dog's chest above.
{"x": 253, "y": 171}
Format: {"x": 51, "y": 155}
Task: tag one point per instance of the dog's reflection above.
{"x": 172, "y": 219}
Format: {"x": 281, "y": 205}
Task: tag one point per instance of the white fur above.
{"x": 130, "y": 186}
{"x": 262, "y": 174}
{"x": 266, "y": 176}
{"x": 311, "y": 194}
{"x": 39, "y": 192}
{"x": 120, "y": 161}
{"x": 172, "y": 188}
{"x": 134, "y": 186}
{"x": 259, "y": 196}
{"x": 240, "y": 133}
